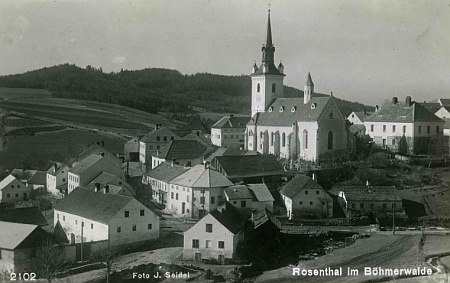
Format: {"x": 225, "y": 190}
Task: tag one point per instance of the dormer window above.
{"x": 294, "y": 108}
{"x": 282, "y": 109}
{"x": 313, "y": 105}
{"x": 270, "y": 108}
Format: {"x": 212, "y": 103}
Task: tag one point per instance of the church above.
{"x": 307, "y": 127}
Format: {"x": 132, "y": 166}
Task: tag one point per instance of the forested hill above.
{"x": 152, "y": 90}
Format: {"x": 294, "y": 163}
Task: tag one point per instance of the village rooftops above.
{"x": 91, "y": 205}
{"x": 98, "y": 149}
{"x": 87, "y": 163}
{"x": 115, "y": 183}
{"x": 238, "y": 192}
{"x": 166, "y": 171}
{"x": 230, "y": 217}
{"x": 221, "y": 151}
{"x": 158, "y": 134}
{"x": 256, "y": 192}
{"x": 56, "y": 168}
{"x": 368, "y": 193}
{"x": 261, "y": 192}
{"x": 8, "y": 179}
{"x": 248, "y": 165}
{"x": 24, "y": 215}
{"x": 285, "y": 111}
{"x": 182, "y": 149}
{"x": 399, "y": 113}
{"x": 38, "y": 178}
{"x": 298, "y": 184}
{"x": 201, "y": 177}
{"x": 362, "y": 115}
{"x": 231, "y": 121}
{"x": 14, "y": 235}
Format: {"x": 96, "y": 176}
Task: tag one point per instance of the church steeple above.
{"x": 268, "y": 49}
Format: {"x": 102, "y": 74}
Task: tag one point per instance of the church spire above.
{"x": 268, "y": 49}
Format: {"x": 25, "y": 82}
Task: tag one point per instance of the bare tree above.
{"x": 108, "y": 256}
{"x": 51, "y": 260}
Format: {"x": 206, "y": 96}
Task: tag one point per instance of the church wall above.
{"x": 309, "y": 152}
{"x": 335, "y": 124}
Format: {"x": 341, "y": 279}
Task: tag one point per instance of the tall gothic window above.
{"x": 283, "y": 139}
{"x": 305, "y": 139}
{"x": 330, "y": 140}
{"x": 273, "y": 87}
{"x": 258, "y": 88}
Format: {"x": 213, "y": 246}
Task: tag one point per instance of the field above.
{"x": 37, "y": 151}
{"x": 6, "y": 93}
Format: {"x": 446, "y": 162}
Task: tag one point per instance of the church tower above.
{"x": 308, "y": 90}
{"x": 267, "y": 80}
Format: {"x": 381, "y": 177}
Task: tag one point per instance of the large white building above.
{"x": 306, "y": 128}
{"x": 404, "y": 127}
{"x": 229, "y": 132}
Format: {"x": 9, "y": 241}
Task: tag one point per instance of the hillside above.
{"x": 152, "y": 89}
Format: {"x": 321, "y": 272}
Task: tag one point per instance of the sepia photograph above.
{"x": 225, "y": 141}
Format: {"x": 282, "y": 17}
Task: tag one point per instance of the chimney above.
{"x": 314, "y": 177}
{"x": 106, "y": 189}
{"x": 408, "y": 101}
{"x": 102, "y": 154}
{"x": 367, "y": 183}
{"x": 103, "y": 143}
{"x": 98, "y": 143}
{"x": 97, "y": 187}
{"x": 173, "y": 162}
{"x": 157, "y": 126}
{"x": 365, "y": 111}
{"x": 231, "y": 115}
{"x": 394, "y": 100}
{"x": 377, "y": 108}
{"x": 55, "y": 167}
{"x": 198, "y": 133}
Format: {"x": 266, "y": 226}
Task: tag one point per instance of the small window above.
{"x": 273, "y": 87}
{"x": 300, "y": 203}
{"x": 17, "y": 195}
{"x": 293, "y": 108}
{"x": 243, "y": 203}
{"x": 270, "y": 108}
{"x": 127, "y": 214}
{"x": 306, "y": 192}
{"x": 119, "y": 229}
{"x": 195, "y": 243}
{"x": 221, "y": 244}
{"x": 313, "y": 105}
{"x": 158, "y": 138}
{"x": 404, "y": 129}
{"x": 171, "y": 195}
{"x": 76, "y": 222}
{"x": 310, "y": 203}
{"x": 208, "y": 244}
{"x": 384, "y": 128}
{"x": 371, "y": 128}
{"x": 353, "y": 205}
{"x": 64, "y": 218}
{"x": 92, "y": 225}
{"x": 165, "y": 138}
{"x": 12, "y": 186}
{"x": 323, "y": 203}
{"x": 134, "y": 228}
{"x": 331, "y": 116}
{"x": 437, "y": 130}
{"x": 282, "y": 109}
{"x": 149, "y": 226}
{"x": 393, "y": 142}
{"x": 258, "y": 88}
{"x": 142, "y": 212}
{"x": 172, "y": 138}
{"x": 317, "y": 192}
{"x": 420, "y": 129}
{"x": 209, "y": 228}
{"x": 213, "y": 200}
{"x": 8, "y": 195}
{"x": 393, "y": 128}
{"x": 176, "y": 196}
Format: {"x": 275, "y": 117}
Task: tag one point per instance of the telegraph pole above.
{"x": 81, "y": 246}
{"x": 393, "y": 218}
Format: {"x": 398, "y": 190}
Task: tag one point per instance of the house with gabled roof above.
{"x": 13, "y": 190}
{"x": 24, "y": 215}
{"x": 89, "y": 168}
{"x": 56, "y": 179}
{"x": 112, "y": 184}
{"x": 89, "y": 216}
{"x": 404, "y": 127}
{"x": 303, "y": 197}
{"x": 160, "y": 176}
{"x": 358, "y": 117}
{"x": 249, "y": 197}
{"x": 185, "y": 152}
{"x": 196, "y": 192}
{"x": 131, "y": 150}
{"x": 361, "y": 200}
{"x": 153, "y": 141}
{"x": 98, "y": 148}
{"x": 18, "y": 245}
{"x": 216, "y": 236}
{"x": 229, "y": 131}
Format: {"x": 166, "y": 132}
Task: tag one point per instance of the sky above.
{"x": 365, "y": 51}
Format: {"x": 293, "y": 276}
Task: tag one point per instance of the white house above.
{"x": 13, "y": 190}
{"x": 87, "y": 216}
{"x": 185, "y": 152}
{"x": 304, "y": 198}
{"x": 404, "y": 127}
{"x": 215, "y": 236}
{"x": 154, "y": 141}
{"x": 229, "y": 131}
{"x": 249, "y": 197}
{"x": 131, "y": 150}
{"x": 307, "y": 128}
{"x": 358, "y": 117}
{"x": 196, "y": 192}
{"x": 57, "y": 176}
{"x": 159, "y": 178}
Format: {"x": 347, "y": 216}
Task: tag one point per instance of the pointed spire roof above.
{"x": 269, "y": 32}
{"x": 309, "y": 81}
